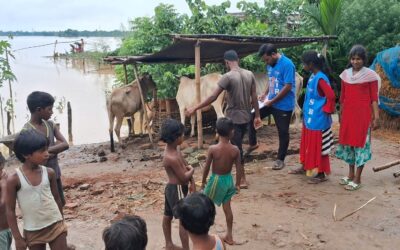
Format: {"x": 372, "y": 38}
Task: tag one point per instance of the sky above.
{"x": 55, "y": 15}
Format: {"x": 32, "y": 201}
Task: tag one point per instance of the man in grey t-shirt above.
{"x": 240, "y": 87}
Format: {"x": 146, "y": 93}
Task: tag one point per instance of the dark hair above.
{"x": 38, "y": 99}
{"x": 359, "y": 50}
{"x": 267, "y": 49}
{"x": 316, "y": 59}
{"x": 196, "y": 213}
{"x": 171, "y": 130}
{"x": 130, "y": 233}
{"x": 27, "y": 142}
{"x": 224, "y": 126}
{"x": 231, "y": 55}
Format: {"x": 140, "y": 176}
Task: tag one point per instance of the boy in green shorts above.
{"x": 220, "y": 187}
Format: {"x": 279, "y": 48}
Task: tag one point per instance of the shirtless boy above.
{"x": 180, "y": 174}
{"x": 220, "y": 187}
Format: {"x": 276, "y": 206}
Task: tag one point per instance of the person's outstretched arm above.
{"x": 206, "y": 102}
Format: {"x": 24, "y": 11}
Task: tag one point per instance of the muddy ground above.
{"x": 278, "y": 211}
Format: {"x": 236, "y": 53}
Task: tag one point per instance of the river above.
{"x": 77, "y": 81}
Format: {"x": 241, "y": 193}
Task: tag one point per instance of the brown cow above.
{"x": 125, "y": 102}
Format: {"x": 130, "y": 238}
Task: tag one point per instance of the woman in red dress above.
{"x": 359, "y": 113}
{"x": 316, "y": 136}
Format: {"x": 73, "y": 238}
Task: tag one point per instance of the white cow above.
{"x": 186, "y": 96}
{"x": 262, "y": 83}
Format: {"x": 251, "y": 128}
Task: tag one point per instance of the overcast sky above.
{"x": 55, "y": 15}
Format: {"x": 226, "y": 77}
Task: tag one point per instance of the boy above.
{"x": 130, "y": 233}
{"x": 199, "y": 220}
{"x": 40, "y": 105}
{"x": 35, "y": 188}
{"x": 220, "y": 187}
{"x": 179, "y": 175}
{"x": 5, "y": 232}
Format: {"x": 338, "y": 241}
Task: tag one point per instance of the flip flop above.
{"x": 352, "y": 186}
{"x": 316, "y": 180}
{"x": 297, "y": 171}
{"x": 345, "y": 180}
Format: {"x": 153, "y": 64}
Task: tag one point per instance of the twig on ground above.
{"x": 306, "y": 238}
{"x": 334, "y": 213}
{"x": 356, "y": 209}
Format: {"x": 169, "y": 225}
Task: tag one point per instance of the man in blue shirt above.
{"x": 279, "y": 99}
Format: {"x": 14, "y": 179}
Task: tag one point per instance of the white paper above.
{"x": 261, "y": 104}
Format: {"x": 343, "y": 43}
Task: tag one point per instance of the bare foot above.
{"x": 172, "y": 247}
{"x": 244, "y": 184}
{"x": 231, "y": 242}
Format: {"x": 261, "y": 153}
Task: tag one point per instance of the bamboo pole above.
{"x": 198, "y": 96}
{"x": 54, "y": 51}
{"x": 126, "y": 75}
{"x": 168, "y": 108}
{"x": 386, "y": 166}
{"x": 70, "y": 137}
{"x": 11, "y": 97}
{"x": 2, "y": 117}
{"x": 135, "y": 70}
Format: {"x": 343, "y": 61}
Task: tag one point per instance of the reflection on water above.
{"x": 77, "y": 81}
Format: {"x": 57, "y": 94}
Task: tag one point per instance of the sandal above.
{"x": 345, "y": 180}
{"x": 299, "y": 170}
{"x": 316, "y": 180}
{"x": 352, "y": 186}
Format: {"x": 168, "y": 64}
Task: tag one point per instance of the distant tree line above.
{"x": 66, "y": 33}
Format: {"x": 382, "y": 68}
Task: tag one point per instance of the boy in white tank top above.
{"x": 35, "y": 188}
{"x": 196, "y": 213}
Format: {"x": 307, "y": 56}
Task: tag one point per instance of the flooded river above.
{"x": 77, "y": 81}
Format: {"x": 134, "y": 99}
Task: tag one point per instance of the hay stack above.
{"x": 387, "y": 121}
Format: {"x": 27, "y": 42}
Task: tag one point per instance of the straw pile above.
{"x": 389, "y": 91}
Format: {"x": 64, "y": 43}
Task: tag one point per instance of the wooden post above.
{"x": 168, "y": 108}
{"x": 2, "y": 117}
{"x": 135, "y": 70}
{"x": 70, "y": 138}
{"x": 11, "y": 98}
{"x": 126, "y": 75}
{"x": 198, "y": 96}
{"x": 8, "y": 129}
{"x": 54, "y": 52}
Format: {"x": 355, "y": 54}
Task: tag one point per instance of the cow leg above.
{"x": 141, "y": 122}
{"x": 192, "y": 122}
{"x": 118, "y": 128}
{"x": 183, "y": 117}
{"x": 110, "y": 131}
{"x": 297, "y": 113}
{"x": 130, "y": 126}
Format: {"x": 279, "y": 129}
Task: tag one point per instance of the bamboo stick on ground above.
{"x": 386, "y": 166}
{"x": 344, "y": 217}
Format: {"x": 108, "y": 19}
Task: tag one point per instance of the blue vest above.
{"x": 314, "y": 117}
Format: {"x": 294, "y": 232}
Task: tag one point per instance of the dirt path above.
{"x": 279, "y": 211}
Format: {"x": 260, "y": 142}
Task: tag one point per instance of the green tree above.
{"x": 327, "y": 15}
{"x": 375, "y": 24}
{"x": 6, "y": 73}
{"x": 149, "y": 35}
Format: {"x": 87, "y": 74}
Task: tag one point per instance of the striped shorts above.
{"x": 173, "y": 194}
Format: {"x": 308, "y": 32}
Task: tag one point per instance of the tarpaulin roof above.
{"x": 212, "y": 48}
